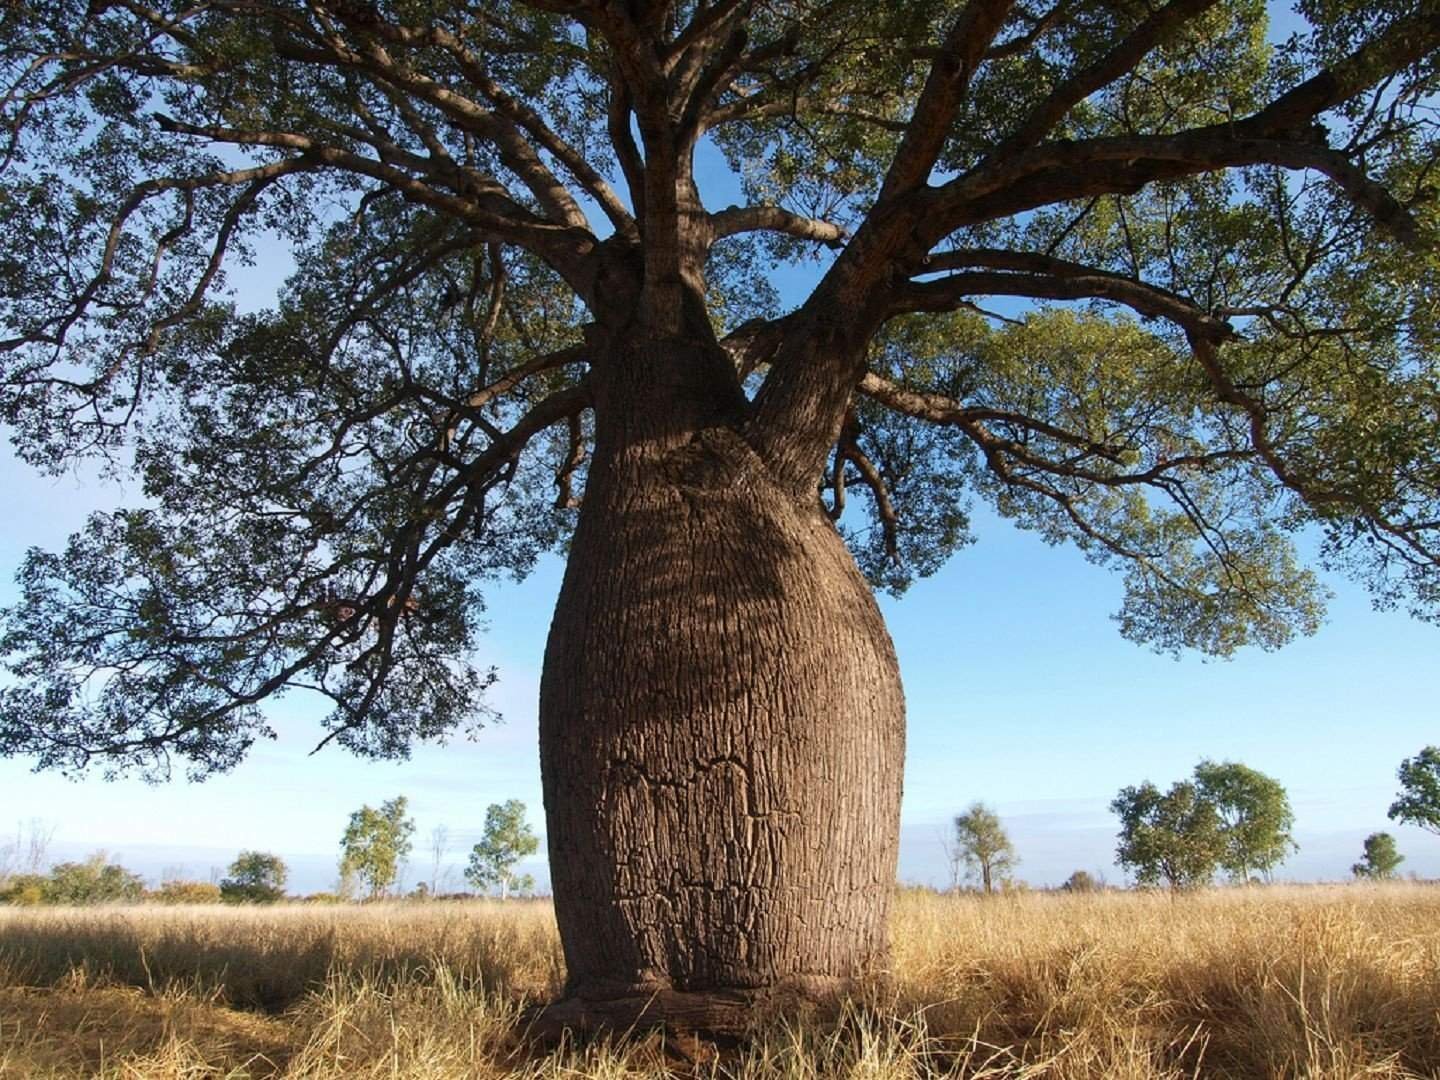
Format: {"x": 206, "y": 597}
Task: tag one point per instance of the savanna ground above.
{"x": 1339, "y": 981}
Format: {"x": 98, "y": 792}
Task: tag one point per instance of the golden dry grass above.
{"x": 1326, "y": 982}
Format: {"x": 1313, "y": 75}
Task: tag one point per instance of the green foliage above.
{"x": 1176, "y": 836}
{"x": 1229, "y": 817}
{"x": 94, "y": 881}
{"x": 983, "y": 848}
{"x": 1381, "y": 858}
{"x": 328, "y": 487}
{"x": 1255, "y": 817}
{"x": 25, "y": 890}
{"x": 1419, "y": 799}
{"x": 375, "y": 844}
{"x": 255, "y": 877}
{"x": 506, "y": 840}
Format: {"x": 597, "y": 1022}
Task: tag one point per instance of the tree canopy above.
{"x": 507, "y": 839}
{"x": 1229, "y": 816}
{"x": 1381, "y": 858}
{"x": 255, "y": 877}
{"x": 983, "y": 847}
{"x": 1255, "y": 817}
{"x": 1419, "y": 800}
{"x": 1174, "y": 836}
{"x": 376, "y": 844}
{"x": 1136, "y": 275}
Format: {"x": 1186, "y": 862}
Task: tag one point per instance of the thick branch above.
{"x": 1066, "y": 171}
{"x": 1280, "y": 134}
{"x": 960, "y": 54}
{"x": 502, "y": 126}
{"x": 889, "y": 520}
{"x": 738, "y": 219}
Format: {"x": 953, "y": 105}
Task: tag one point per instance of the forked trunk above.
{"x": 722, "y": 738}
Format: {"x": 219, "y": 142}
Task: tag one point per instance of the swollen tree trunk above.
{"x": 721, "y": 723}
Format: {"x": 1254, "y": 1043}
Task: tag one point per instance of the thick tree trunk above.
{"x": 722, "y": 737}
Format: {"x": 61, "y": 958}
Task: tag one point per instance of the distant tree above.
{"x": 982, "y": 846}
{"x": 1419, "y": 799}
{"x": 1082, "y": 881}
{"x": 507, "y": 839}
{"x": 1255, "y": 817}
{"x": 95, "y": 881}
{"x": 375, "y": 844}
{"x": 1381, "y": 858}
{"x": 1176, "y": 837}
{"x": 256, "y": 877}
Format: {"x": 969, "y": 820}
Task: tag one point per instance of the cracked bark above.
{"x": 721, "y": 720}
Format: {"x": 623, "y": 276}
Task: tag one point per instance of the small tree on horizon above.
{"x": 982, "y": 846}
{"x": 375, "y": 844}
{"x": 1176, "y": 836}
{"x": 1381, "y": 858}
{"x": 1419, "y": 800}
{"x": 256, "y": 877}
{"x": 507, "y": 839}
{"x": 1255, "y": 817}
{"x": 1082, "y": 881}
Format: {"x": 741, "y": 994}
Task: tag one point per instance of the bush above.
{"x": 256, "y": 877}
{"x": 1081, "y": 882}
{"x": 94, "y": 881}
{"x": 187, "y": 892}
{"x": 23, "y": 889}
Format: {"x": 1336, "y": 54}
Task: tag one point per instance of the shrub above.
{"x": 94, "y": 881}
{"x": 256, "y": 877}
{"x": 24, "y": 889}
{"x": 1081, "y": 882}
{"x": 187, "y": 892}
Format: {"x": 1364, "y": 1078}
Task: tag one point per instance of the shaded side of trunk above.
{"x": 722, "y": 735}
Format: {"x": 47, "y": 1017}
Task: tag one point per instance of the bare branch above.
{"x": 889, "y": 520}
{"x": 1046, "y": 277}
{"x": 565, "y": 496}
{"x": 1043, "y": 25}
{"x": 473, "y": 197}
{"x": 503, "y": 126}
{"x": 1406, "y": 536}
{"x": 950, "y": 74}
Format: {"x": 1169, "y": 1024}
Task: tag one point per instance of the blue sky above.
{"x": 1020, "y": 692}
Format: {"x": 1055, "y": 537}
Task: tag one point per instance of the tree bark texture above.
{"x": 721, "y": 722}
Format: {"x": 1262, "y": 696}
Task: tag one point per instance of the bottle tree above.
{"x": 1130, "y": 273}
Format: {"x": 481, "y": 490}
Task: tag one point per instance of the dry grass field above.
{"x": 1326, "y": 982}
